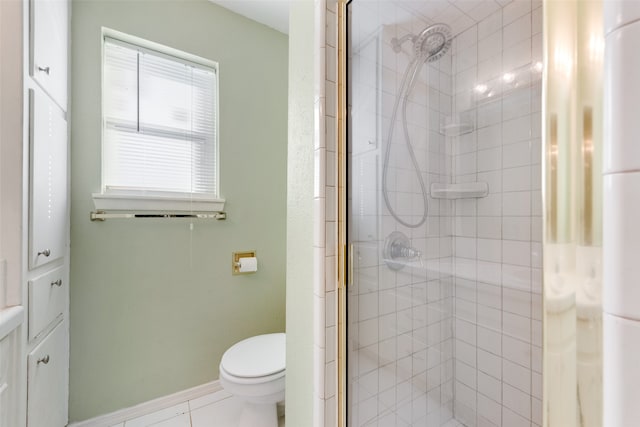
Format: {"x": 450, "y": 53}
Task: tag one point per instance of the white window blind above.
{"x": 159, "y": 123}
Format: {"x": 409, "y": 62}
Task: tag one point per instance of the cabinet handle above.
{"x": 46, "y": 252}
{"x": 44, "y": 70}
{"x": 44, "y": 360}
{"x": 57, "y": 283}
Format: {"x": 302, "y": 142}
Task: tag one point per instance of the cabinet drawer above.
{"x": 48, "y": 184}
{"x": 47, "y": 300}
{"x": 49, "y": 45}
{"x": 48, "y": 380}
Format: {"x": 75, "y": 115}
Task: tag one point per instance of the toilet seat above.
{"x": 256, "y": 359}
{"x": 252, "y": 380}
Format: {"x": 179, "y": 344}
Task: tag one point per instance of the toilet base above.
{"x": 259, "y": 415}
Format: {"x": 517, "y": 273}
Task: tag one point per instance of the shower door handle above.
{"x": 351, "y": 268}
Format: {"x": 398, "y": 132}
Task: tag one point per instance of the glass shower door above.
{"x": 400, "y": 307}
{"x": 444, "y": 306}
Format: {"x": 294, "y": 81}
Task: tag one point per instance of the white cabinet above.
{"x": 48, "y": 379}
{"x": 45, "y": 380}
{"x": 48, "y": 48}
{"x": 48, "y": 295}
{"x": 48, "y": 190}
{"x": 8, "y": 389}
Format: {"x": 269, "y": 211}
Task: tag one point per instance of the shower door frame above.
{"x": 345, "y": 254}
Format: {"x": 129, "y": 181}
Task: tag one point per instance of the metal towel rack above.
{"x": 103, "y": 216}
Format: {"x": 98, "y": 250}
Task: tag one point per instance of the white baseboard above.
{"x": 154, "y": 405}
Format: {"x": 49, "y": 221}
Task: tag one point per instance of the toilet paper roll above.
{"x": 248, "y": 265}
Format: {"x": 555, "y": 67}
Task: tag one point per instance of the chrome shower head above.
{"x": 430, "y": 45}
{"x": 433, "y": 42}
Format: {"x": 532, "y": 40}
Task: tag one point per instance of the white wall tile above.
{"x": 490, "y": 318}
{"x": 621, "y": 370}
{"x": 465, "y": 353}
{"x": 514, "y": 10}
{"x": 465, "y": 374}
{"x": 516, "y": 203}
{"x": 516, "y": 56}
{"x": 516, "y": 253}
{"x": 516, "y": 228}
{"x": 490, "y": 295}
{"x": 489, "y": 159}
{"x": 489, "y": 227}
{"x": 622, "y": 129}
{"x": 516, "y": 400}
{"x": 465, "y": 395}
{"x": 516, "y": 351}
{"x": 489, "y": 340}
{"x": 516, "y": 130}
{"x": 619, "y": 12}
{"x": 489, "y": 272}
{"x": 489, "y": 409}
{"x": 511, "y": 419}
{"x": 621, "y": 236}
{"x": 490, "y": 25}
{"x": 516, "y": 179}
{"x": 516, "y": 302}
{"x": 490, "y": 137}
{"x": 489, "y": 114}
{"x": 517, "y": 31}
{"x": 489, "y": 250}
{"x": 490, "y": 364}
{"x": 516, "y": 376}
{"x": 489, "y": 70}
{"x": 490, "y": 46}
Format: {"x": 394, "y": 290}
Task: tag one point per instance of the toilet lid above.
{"x": 257, "y": 356}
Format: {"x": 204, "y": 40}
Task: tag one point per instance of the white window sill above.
{"x": 134, "y": 203}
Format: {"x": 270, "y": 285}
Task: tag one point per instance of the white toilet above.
{"x": 253, "y": 370}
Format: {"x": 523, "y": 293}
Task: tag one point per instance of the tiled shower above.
{"x": 449, "y": 330}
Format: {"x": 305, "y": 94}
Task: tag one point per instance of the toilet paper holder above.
{"x": 235, "y": 261}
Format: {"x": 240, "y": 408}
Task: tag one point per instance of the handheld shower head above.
{"x": 433, "y": 42}
{"x": 430, "y": 45}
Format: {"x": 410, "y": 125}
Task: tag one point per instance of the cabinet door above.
{"x": 7, "y": 354}
{"x": 48, "y": 380}
{"x": 49, "y": 45}
{"x": 48, "y": 296}
{"x": 48, "y": 192}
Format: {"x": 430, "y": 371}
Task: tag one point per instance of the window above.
{"x": 159, "y": 128}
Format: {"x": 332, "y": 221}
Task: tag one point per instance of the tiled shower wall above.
{"x": 497, "y": 244}
{"x": 400, "y": 322}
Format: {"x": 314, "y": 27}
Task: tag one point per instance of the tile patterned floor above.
{"x": 218, "y": 409}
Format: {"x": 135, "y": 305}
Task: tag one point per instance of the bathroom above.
{"x": 438, "y": 321}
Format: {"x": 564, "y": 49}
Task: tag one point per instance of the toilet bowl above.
{"x": 253, "y": 370}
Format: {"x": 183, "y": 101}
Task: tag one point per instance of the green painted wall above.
{"x": 300, "y": 191}
{"x": 153, "y": 304}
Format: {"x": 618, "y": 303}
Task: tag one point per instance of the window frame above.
{"x": 157, "y": 201}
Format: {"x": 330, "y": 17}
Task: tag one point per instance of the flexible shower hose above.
{"x": 405, "y": 90}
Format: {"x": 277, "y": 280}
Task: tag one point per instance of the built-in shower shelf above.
{"x": 457, "y": 124}
{"x": 456, "y": 129}
{"x": 465, "y": 190}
